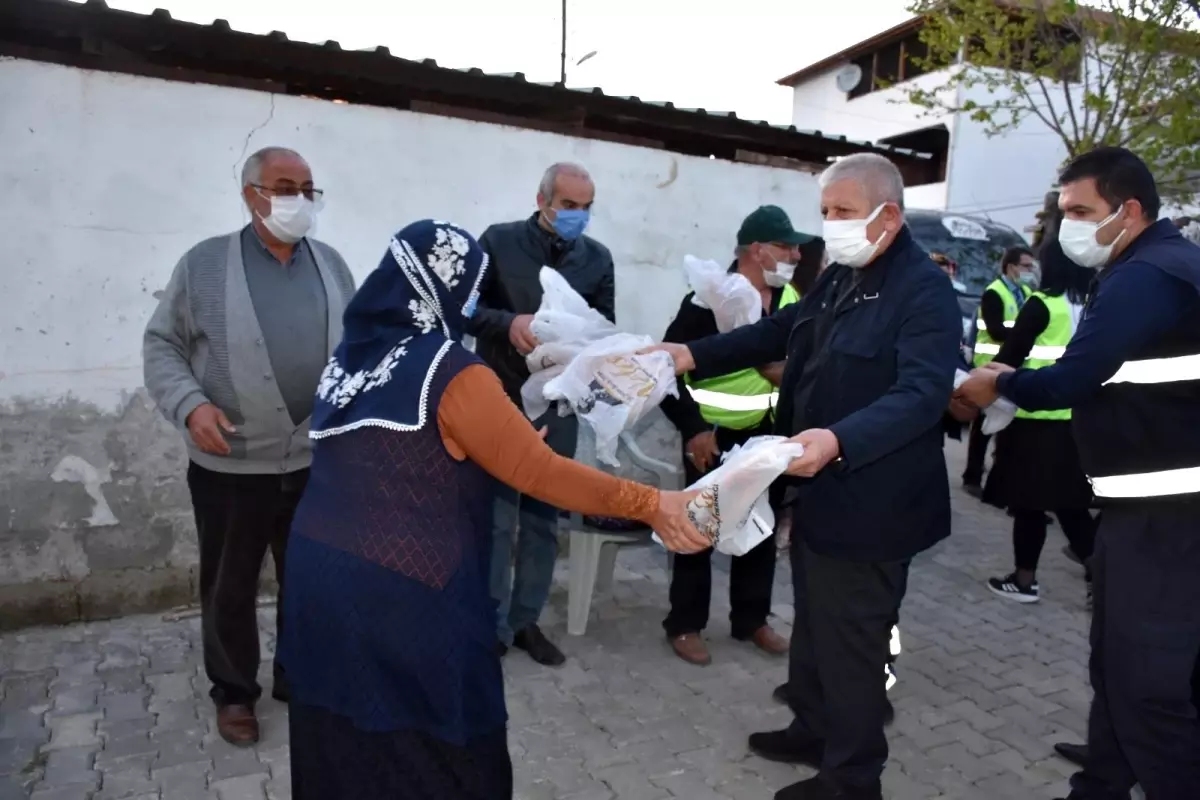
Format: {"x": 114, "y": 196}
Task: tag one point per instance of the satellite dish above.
{"x": 849, "y": 77}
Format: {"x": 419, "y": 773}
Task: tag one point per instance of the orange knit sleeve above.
{"x": 477, "y": 420}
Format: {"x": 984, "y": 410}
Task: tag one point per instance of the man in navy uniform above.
{"x": 1131, "y": 376}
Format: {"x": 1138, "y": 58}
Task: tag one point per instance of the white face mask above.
{"x": 1077, "y": 238}
{"x": 846, "y": 240}
{"x": 780, "y": 276}
{"x": 291, "y": 218}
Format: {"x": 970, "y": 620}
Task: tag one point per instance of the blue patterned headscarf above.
{"x": 411, "y": 310}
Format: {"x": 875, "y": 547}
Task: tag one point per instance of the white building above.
{"x": 860, "y": 92}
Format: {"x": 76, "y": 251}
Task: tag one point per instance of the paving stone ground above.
{"x": 119, "y": 709}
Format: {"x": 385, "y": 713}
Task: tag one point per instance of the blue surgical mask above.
{"x": 569, "y": 223}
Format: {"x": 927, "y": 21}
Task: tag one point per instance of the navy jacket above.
{"x": 871, "y": 356}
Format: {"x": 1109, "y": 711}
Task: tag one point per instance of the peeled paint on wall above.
{"x": 96, "y": 512}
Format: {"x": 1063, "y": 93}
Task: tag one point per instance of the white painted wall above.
{"x": 1004, "y": 177}
{"x": 818, "y": 104}
{"x": 107, "y": 179}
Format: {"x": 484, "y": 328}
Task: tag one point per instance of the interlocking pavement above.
{"x": 119, "y": 709}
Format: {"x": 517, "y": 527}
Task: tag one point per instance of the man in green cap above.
{"x": 713, "y": 416}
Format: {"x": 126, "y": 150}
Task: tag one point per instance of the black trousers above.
{"x": 1143, "y": 727}
{"x": 751, "y": 576}
{"x": 977, "y": 445}
{"x": 238, "y": 519}
{"x": 845, "y": 611}
{"x": 1029, "y": 534}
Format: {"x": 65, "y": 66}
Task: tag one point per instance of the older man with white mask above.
{"x": 233, "y": 355}
{"x": 871, "y": 353}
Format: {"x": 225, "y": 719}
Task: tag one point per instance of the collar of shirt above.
{"x": 554, "y": 244}
{"x": 1163, "y": 229}
{"x": 250, "y": 237}
{"x": 1015, "y": 290}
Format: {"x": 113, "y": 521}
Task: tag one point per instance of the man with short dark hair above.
{"x": 1002, "y": 300}
{"x": 1131, "y": 375}
{"x": 512, "y": 291}
{"x": 233, "y": 355}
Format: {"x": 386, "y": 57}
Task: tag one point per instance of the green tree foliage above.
{"x": 1112, "y": 72}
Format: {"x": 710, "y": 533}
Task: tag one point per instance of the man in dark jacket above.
{"x": 551, "y": 237}
{"x": 718, "y": 415}
{"x": 871, "y": 354}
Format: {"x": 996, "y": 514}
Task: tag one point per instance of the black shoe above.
{"x": 779, "y": 746}
{"x": 540, "y": 649}
{"x": 973, "y": 489}
{"x": 816, "y": 788}
{"x": 1008, "y": 588}
{"x": 501, "y": 649}
{"x": 1075, "y": 753}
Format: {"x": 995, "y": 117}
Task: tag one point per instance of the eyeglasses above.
{"x": 291, "y": 191}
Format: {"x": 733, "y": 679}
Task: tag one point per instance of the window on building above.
{"x": 893, "y": 63}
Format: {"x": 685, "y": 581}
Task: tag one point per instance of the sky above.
{"x": 718, "y": 55}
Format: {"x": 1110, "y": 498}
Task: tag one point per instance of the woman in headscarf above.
{"x": 389, "y": 630}
{"x": 1037, "y": 467}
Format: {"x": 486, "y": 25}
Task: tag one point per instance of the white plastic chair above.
{"x": 593, "y": 552}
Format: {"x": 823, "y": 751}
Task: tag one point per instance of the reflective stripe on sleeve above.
{"x": 1148, "y": 484}
{"x": 1158, "y": 370}
{"x": 734, "y": 402}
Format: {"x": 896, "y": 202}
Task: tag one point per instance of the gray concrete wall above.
{"x": 96, "y": 515}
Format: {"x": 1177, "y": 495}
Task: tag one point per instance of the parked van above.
{"x": 974, "y": 244}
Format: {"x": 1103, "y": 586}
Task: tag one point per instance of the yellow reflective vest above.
{"x": 1050, "y": 345}
{"x": 741, "y": 399}
{"x": 986, "y": 347}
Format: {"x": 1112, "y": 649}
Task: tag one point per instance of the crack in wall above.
{"x": 237, "y": 177}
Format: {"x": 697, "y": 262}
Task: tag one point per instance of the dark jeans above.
{"x": 751, "y": 576}
{"x": 239, "y": 518}
{"x": 1029, "y": 534}
{"x": 845, "y": 611}
{"x": 520, "y": 585}
{"x": 1143, "y": 726}
{"x": 977, "y": 445}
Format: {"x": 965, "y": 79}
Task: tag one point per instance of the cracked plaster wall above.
{"x": 108, "y": 179}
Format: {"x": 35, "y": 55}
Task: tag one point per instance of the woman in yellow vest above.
{"x": 712, "y": 416}
{"x": 1037, "y": 469}
{"x": 1002, "y": 300}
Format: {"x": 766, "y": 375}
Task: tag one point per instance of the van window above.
{"x": 974, "y": 245}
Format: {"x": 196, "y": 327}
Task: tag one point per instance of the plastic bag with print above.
{"x": 732, "y": 509}
{"x": 564, "y": 325}
{"x": 609, "y": 387}
{"x": 732, "y": 299}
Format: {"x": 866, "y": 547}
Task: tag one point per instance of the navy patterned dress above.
{"x": 390, "y": 640}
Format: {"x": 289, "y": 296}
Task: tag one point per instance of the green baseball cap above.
{"x": 767, "y": 224}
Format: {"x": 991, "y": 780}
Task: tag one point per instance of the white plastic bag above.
{"x": 732, "y": 299}
{"x": 610, "y": 388}
{"x": 732, "y": 508}
{"x": 998, "y": 415}
{"x": 564, "y": 325}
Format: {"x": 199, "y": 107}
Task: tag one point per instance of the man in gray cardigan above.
{"x": 233, "y": 355}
